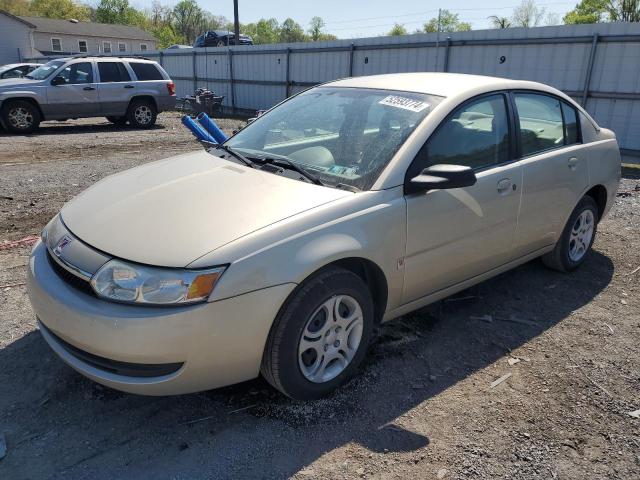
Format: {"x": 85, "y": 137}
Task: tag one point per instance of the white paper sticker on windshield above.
{"x": 404, "y": 102}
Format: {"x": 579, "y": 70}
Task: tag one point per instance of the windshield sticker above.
{"x": 404, "y": 103}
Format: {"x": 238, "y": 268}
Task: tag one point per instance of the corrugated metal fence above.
{"x": 598, "y": 65}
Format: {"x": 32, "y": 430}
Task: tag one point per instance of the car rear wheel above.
{"x": 142, "y": 114}
{"x": 577, "y": 238}
{"x": 20, "y": 116}
{"x": 320, "y": 336}
{"x": 118, "y": 120}
{"x": 220, "y": 43}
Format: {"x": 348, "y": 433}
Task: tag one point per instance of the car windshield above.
{"x": 45, "y": 70}
{"x": 339, "y": 135}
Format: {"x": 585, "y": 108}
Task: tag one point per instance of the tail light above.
{"x": 171, "y": 87}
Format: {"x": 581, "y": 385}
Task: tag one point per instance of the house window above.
{"x": 143, "y": 47}
{"x": 82, "y": 46}
{"x": 56, "y": 44}
{"x": 122, "y": 47}
{"x": 106, "y": 47}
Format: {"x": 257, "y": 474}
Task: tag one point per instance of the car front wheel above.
{"x": 320, "y": 336}
{"x": 20, "y": 116}
{"x": 577, "y": 238}
{"x": 142, "y": 114}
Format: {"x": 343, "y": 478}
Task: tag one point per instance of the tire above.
{"x": 290, "y": 359}
{"x": 20, "y": 116}
{"x": 220, "y": 44}
{"x": 142, "y": 113}
{"x": 122, "y": 121}
{"x": 577, "y": 238}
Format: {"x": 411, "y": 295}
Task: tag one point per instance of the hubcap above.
{"x": 143, "y": 114}
{"x": 581, "y": 235}
{"x": 20, "y": 117}
{"x": 330, "y": 339}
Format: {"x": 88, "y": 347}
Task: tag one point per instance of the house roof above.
{"x": 86, "y": 29}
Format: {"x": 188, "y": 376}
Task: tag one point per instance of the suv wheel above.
{"x": 142, "y": 114}
{"x": 118, "y": 120}
{"x": 20, "y": 116}
{"x": 577, "y": 237}
{"x": 320, "y": 336}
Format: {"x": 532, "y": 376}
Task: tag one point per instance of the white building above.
{"x": 26, "y": 37}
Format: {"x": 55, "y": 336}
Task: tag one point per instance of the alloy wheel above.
{"x": 581, "y": 235}
{"x": 20, "y": 117}
{"x": 330, "y": 338}
{"x": 143, "y": 115}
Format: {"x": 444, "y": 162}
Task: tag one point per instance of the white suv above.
{"x": 125, "y": 90}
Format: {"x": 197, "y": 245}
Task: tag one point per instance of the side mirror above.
{"x": 59, "y": 80}
{"x": 442, "y": 177}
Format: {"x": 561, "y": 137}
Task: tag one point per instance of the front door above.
{"x": 454, "y": 235}
{"x": 77, "y": 97}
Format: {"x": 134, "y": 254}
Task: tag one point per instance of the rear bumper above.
{"x": 166, "y": 102}
{"x": 149, "y": 350}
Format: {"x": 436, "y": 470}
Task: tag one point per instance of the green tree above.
{"x": 500, "y": 22}
{"x": 16, "y": 7}
{"x": 263, "y": 31}
{"x": 291, "y": 31}
{"x": 315, "y": 28}
{"x": 59, "y": 9}
{"x": 398, "y": 30}
{"x": 528, "y": 14}
{"x": 119, "y": 12}
{"x": 449, "y": 22}
{"x": 595, "y": 11}
{"x": 188, "y": 19}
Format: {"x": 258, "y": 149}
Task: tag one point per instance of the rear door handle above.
{"x": 128, "y": 86}
{"x": 504, "y": 186}
{"x": 573, "y": 163}
{"x": 88, "y": 88}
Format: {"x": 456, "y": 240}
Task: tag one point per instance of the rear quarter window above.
{"x": 146, "y": 71}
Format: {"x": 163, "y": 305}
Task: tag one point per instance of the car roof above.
{"x": 438, "y": 83}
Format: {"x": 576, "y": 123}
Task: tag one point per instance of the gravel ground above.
{"x": 423, "y": 406}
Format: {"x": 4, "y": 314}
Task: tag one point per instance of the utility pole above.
{"x": 236, "y": 22}
{"x": 438, "y": 38}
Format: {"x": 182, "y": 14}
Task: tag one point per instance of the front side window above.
{"x": 476, "y": 135}
{"x": 77, "y": 73}
{"x": 82, "y": 46}
{"x": 113, "y": 72}
{"x": 56, "y": 45}
{"x": 106, "y": 47}
{"x": 541, "y": 126}
{"x": 341, "y": 135}
{"x": 45, "y": 70}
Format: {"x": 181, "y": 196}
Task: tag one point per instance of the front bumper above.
{"x": 192, "y": 348}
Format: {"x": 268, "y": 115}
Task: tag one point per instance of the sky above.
{"x": 367, "y": 18}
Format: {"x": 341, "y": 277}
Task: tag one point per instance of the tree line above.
{"x": 179, "y": 24}
{"x": 182, "y": 23}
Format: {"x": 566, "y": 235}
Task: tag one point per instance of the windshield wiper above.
{"x": 231, "y": 152}
{"x": 286, "y": 163}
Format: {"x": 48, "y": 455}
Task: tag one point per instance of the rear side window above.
{"x": 541, "y": 126}
{"x": 570, "y": 124}
{"x": 113, "y": 72}
{"x": 146, "y": 71}
{"x": 476, "y": 135}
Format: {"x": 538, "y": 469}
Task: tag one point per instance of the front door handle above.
{"x": 573, "y": 163}
{"x": 128, "y": 86}
{"x": 504, "y": 186}
{"x": 88, "y": 88}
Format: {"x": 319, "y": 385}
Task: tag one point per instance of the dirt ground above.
{"x": 423, "y": 406}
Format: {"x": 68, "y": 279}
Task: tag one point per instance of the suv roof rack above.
{"x": 139, "y": 57}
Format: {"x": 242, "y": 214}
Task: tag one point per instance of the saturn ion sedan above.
{"x": 280, "y": 250}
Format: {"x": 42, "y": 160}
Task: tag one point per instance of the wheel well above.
{"x": 25, "y": 99}
{"x": 373, "y": 276}
{"x": 145, "y": 97}
{"x": 599, "y": 195}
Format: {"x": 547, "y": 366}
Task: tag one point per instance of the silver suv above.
{"x": 125, "y": 90}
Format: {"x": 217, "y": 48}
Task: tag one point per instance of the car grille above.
{"x": 143, "y": 370}
{"x": 69, "y": 278}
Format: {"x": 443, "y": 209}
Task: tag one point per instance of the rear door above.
{"x": 115, "y": 87}
{"x": 78, "y": 96}
{"x": 454, "y": 235}
{"x": 554, "y": 162}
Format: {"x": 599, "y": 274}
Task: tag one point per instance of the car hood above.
{"x": 10, "y": 83}
{"x": 171, "y": 212}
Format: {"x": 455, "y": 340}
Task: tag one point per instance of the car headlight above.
{"x": 124, "y": 282}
